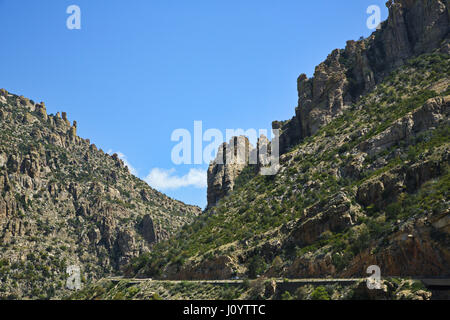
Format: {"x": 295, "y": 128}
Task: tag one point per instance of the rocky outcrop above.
{"x": 413, "y": 250}
{"x": 312, "y": 266}
{"x": 413, "y": 27}
{"x": 381, "y": 191}
{"x": 147, "y": 229}
{"x": 428, "y": 116}
{"x": 217, "y": 268}
{"x": 231, "y": 159}
{"x": 42, "y": 111}
{"x": 333, "y": 215}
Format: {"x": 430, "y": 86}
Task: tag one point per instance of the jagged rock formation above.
{"x": 413, "y": 27}
{"x": 231, "y": 159}
{"x": 64, "y": 202}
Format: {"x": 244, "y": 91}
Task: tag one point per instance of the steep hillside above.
{"x": 364, "y": 171}
{"x": 413, "y": 28}
{"x": 369, "y": 188}
{"x": 64, "y": 202}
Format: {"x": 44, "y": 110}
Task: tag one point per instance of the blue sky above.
{"x": 139, "y": 69}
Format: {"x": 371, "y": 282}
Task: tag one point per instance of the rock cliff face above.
{"x": 231, "y": 159}
{"x": 64, "y": 202}
{"x": 413, "y": 27}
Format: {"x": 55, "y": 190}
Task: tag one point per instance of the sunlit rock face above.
{"x": 413, "y": 28}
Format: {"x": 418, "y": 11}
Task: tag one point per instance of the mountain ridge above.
{"x": 412, "y": 28}
{"x": 65, "y": 202}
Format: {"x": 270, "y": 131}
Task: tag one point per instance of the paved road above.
{"x": 299, "y": 281}
{"x": 429, "y": 282}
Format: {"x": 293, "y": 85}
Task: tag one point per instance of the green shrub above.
{"x": 320, "y": 293}
{"x": 257, "y": 266}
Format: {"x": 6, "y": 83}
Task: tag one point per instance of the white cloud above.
{"x": 163, "y": 179}
{"x": 123, "y": 157}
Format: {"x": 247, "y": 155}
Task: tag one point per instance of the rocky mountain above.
{"x": 364, "y": 171}
{"x": 363, "y": 180}
{"x": 413, "y": 28}
{"x": 347, "y": 74}
{"x": 63, "y": 202}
